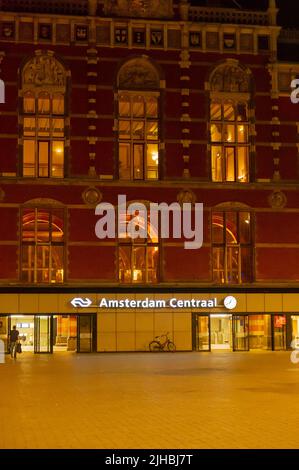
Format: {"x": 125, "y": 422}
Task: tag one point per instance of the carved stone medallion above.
{"x": 92, "y": 196}
{"x": 186, "y": 196}
{"x": 277, "y": 200}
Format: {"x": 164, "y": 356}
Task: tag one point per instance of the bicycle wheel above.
{"x": 154, "y": 346}
{"x": 171, "y": 346}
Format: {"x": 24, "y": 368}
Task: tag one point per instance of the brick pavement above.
{"x": 181, "y": 400}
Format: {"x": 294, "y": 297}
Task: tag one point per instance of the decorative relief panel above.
{"x": 138, "y": 73}
{"x": 230, "y": 77}
{"x": 44, "y": 70}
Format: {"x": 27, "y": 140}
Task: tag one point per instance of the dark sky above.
{"x": 288, "y": 14}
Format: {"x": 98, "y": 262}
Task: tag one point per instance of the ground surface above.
{"x": 158, "y": 400}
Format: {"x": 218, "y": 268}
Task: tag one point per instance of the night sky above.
{"x": 288, "y": 15}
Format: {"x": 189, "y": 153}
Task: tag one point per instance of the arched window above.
{"x": 232, "y": 247}
{"x": 229, "y": 124}
{"x": 138, "y": 121}
{"x": 42, "y": 258}
{"x": 43, "y": 117}
{"x": 139, "y": 257}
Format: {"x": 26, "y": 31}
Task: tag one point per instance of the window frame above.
{"x": 131, "y": 143}
{"x": 36, "y": 244}
{"x": 225, "y": 247}
{"x": 234, "y": 100}
{"x": 37, "y": 136}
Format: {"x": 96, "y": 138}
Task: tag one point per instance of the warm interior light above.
{"x": 58, "y": 149}
{"x": 136, "y": 274}
{"x": 155, "y": 157}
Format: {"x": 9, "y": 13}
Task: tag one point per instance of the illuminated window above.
{"x": 139, "y": 257}
{"x": 138, "y": 121}
{"x": 42, "y": 246}
{"x": 43, "y": 118}
{"x": 232, "y": 247}
{"x": 138, "y": 137}
{"x": 229, "y": 125}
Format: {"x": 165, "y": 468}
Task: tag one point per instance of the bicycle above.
{"x": 159, "y": 344}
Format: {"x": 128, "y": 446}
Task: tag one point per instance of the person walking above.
{"x": 14, "y": 337}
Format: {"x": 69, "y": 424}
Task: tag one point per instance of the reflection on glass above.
{"x": 295, "y": 331}
{"x": 29, "y": 158}
{"x": 138, "y": 162}
{"x": 240, "y": 333}
{"x": 217, "y": 164}
{"x": 260, "y": 332}
{"x": 124, "y": 161}
{"x": 279, "y": 324}
{"x": 57, "y": 159}
{"x": 230, "y": 163}
{"x": 44, "y": 103}
{"x": 202, "y": 333}
{"x": 29, "y": 103}
{"x": 43, "y": 159}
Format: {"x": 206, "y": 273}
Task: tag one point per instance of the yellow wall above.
{"x": 133, "y": 330}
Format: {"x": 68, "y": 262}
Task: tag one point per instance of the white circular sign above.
{"x": 230, "y": 302}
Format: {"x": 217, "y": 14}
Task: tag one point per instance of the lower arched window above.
{"x": 42, "y": 250}
{"x": 232, "y": 247}
{"x": 138, "y": 258}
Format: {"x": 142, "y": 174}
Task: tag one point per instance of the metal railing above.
{"x": 228, "y": 15}
{"x": 64, "y": 7}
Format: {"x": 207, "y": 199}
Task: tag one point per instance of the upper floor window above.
{"x": 229, "y": 124}
{"x": 138, "y": 121}
{"x": 42, "y": 246}
{"x": 43, "y": 117}
{"x": 232, "y": 247}
{"x": 139, "y": 257}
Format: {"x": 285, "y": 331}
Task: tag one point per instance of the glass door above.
{"x": 5, "y": 327}
{"x": 279, "y": 324}
{"x": 221, "y": 331}
{"x": 42, "y": 334}
{"x": 240, "y": 332}
{"x": 202, "y": 325}
{"x": 86, "y": 337}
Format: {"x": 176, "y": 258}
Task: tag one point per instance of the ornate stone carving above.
{"x": 186, "y": 196}
{"x": 139, "y": 8}
{"x": 231, "y": 78}
{"x": 44, "y": 70}
{"x": 138, "y": 73}
{"x": 277, "y": 200}
{"x": 92, "y": 196}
